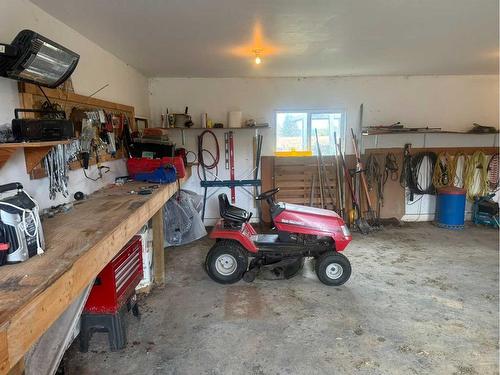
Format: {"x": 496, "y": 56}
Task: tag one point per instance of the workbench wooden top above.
{"x": 79, "y": 243}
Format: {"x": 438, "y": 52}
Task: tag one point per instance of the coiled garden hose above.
{"x": 201, "y": 155}
{"x": 476, "y": 175}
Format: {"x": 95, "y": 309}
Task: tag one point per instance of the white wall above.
{"x": 449, "y": 102}
{"x": 96, "y": 68}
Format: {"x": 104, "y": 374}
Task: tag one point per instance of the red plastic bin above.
{"x": 140, "y": 165}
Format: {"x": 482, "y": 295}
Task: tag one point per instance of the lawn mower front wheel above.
{"x": 226, "y": 262}
{"x": 333, "y": 268}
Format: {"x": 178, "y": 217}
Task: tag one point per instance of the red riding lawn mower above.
{"x": 299, "y": 231}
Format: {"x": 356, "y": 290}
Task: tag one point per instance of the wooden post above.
{"x": 18, "y": 369}
{"x": 158, "y": 248}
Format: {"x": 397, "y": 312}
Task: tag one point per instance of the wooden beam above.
{"x": 58, "y": 94}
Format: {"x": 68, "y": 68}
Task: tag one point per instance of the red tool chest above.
{"x": 116, "y": 283}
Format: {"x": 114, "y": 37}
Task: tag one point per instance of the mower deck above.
{"x": 265, "y": 239}
{"x": 270, "y": 244}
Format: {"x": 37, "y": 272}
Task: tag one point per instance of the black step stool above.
{"x": 114, "y": 324}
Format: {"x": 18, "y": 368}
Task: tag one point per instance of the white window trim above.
{"x": 343, "y": 127}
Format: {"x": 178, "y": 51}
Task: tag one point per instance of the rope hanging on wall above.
{"x": 417, "y": 172}
{"x": 391, "y": 167}
{"x": 493, "y": 172}
{"x": 460, "y": 161}
{"x": 373, "y": 174}
{"x": 444, "y": 170}
{"x": 372, "y": 171}
{"x": 476, "y": 176}
{"x": 202, "y": 152}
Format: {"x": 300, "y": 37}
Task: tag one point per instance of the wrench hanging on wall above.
{"x": 56, "y": 165}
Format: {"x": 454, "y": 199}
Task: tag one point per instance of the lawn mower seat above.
{"x": 232, "y": 213}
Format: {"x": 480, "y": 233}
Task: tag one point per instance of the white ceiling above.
{"x": 193, "y": 38}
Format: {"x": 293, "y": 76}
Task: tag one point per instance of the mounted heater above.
{"x": 35, "y": 59}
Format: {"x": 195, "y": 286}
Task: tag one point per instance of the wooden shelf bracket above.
{"x": 34, "y": 156}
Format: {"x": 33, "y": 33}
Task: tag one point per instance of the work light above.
{"x": 33, "y": 58}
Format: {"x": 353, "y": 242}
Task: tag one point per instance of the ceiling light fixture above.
{"x": 258, "y": 60}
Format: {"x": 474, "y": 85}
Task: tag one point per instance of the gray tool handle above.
{"x": 11, "y": 186}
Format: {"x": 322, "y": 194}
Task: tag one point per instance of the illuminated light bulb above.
{"x": 258, "y": 60}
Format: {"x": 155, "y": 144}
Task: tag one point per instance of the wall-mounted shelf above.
{"x": 34, "y": 152}
{"x": 421, "y": 132}
{"x": 227, "y": 129}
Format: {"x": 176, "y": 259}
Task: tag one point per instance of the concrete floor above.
{"x": 421, "y": 300}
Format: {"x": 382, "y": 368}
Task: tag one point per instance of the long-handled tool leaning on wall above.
{"x": 324, "y": 179}
{"x": 370, "y": 214}
{"x": 355, "y": 217}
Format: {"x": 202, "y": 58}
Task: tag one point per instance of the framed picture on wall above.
{"x": 141, "y": 123}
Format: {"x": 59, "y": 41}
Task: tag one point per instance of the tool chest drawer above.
{"x": 117, "y": 281}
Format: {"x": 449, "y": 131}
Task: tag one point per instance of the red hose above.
{"x": 202, "y": 150}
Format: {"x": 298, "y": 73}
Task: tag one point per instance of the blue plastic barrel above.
{"x": 450, "y": 208}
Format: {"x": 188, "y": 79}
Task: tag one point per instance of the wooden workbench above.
{"x": 79, "y": 243}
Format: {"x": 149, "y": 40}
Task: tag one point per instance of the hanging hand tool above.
{"x": 226, "y": 150}
{"x": 374, "y": 180}
{"x": 88, "y": 134}
{"x": 56, "y": 166}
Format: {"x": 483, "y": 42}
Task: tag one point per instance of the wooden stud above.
{"x": 158, "y": 248}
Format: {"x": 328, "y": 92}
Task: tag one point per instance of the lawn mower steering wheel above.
{"x": 267, "y": 194}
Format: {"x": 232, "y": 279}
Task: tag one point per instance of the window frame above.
{"x": 309, "y": 135}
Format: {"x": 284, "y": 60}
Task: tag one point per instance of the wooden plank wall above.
{"x": 31, "y": 97}
{"x": 294, "y": 177}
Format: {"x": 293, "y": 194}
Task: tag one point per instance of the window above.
{"x": 297, "y": 130}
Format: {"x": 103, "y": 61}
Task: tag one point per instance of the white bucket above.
{"x": 234, "y": 119}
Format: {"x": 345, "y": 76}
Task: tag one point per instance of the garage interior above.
{"x": 249, "y": 187}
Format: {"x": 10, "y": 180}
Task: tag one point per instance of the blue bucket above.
{"x": 450, "y": 208}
